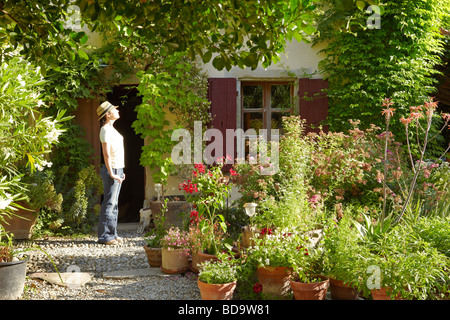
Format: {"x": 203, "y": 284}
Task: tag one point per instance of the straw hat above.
{"x": 104, "y": 108}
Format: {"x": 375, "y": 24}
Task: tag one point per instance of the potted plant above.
{"x": 404, "y": 265}
{"x": 307, "y": 281}
{"x": 40, "y": 193}
{"x": 217, "y": 278}
{"x": 199, "y": 242}
{"x": 341, "y": 258}
{"x": 274, "y": 255}
{"x": 12, "y": 269}
{"x": 175, "y": 250}
{"x": 207, "y": 191}
{"x": 153, "y": 242}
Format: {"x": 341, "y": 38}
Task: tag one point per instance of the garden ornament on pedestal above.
{"x": 145, "y": 218}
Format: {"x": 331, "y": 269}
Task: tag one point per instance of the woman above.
{"x": 111, "y": 172}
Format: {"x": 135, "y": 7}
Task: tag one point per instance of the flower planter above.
{"x": 21, "y": 226}
{"x": 174, "y": 261}
{"x": 383, "y": 294}
{"x": 198, "y": 258}
{"x": 216, "y": 291}
{"x": 341, "y": 291}
{"x": 12, "y": 279}
{"x": 310, "y": 291}
{"x": 154, "y": 256}
{"x": 275, "y": 281}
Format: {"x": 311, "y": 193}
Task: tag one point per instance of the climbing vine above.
{"x": 172, "y": 85}
{"x": 365, "y": 65}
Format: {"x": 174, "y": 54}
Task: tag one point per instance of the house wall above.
{"x": 299, "y": 61}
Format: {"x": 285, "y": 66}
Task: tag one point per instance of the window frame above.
{"x": 267, "y": 109}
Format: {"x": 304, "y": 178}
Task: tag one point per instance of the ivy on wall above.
{"x": 366, "y": 63}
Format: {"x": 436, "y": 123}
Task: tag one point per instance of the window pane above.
{"x": 253, "y": 120}
{"x": 280, "y": 96}
{"x": 276, "y": 120}
{"x": 252, "y": 97}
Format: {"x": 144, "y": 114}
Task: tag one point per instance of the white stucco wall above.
{"x": 300, "y": 59}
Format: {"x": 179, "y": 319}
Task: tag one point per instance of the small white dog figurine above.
{"x": 145, "y": 218}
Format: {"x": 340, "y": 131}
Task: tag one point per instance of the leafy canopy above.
{"x": 228, "y": 32}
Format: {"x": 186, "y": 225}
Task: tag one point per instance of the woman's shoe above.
{"x": 112, "y": 242}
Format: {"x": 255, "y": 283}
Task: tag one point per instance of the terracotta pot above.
{"x": 310, "y": 291}
{"x": 275, "y": 281}
{"x": 174, "y": 261}
{"x": 216, "y": 291}
{"x": 383, "y": 294}
{"x": 154, "y": 256}
{"x": 341, "y": 291}
{"x": 200, "y": 257}
{"x": 21, "y": 226}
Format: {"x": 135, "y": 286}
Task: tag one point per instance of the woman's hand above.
{"x": 118, "y": 178}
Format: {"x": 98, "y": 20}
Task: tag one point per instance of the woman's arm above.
{"x": 107, "y": 157}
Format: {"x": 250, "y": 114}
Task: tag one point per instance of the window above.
{"x": 264, "y": 104}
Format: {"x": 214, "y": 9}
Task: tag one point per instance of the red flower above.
{"x": 266, "y": 231}
{"x": 257, "y": 288}
{"x": 233, "y": 173}
{"x": 200, "y": 167}
{"x": 188, "y": 187}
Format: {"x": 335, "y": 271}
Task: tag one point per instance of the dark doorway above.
{"x": 132, "y": 193}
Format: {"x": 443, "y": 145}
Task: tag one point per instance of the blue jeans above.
{"x": 107, "y": 220}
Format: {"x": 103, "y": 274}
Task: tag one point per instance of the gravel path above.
{"x": 86, "y": 255}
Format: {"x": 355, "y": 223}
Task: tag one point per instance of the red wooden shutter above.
{"x": 222, "y": 93}
{"x": 313, "y": 103}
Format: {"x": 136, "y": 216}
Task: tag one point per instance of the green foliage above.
{"x": 396, "y": 61}
{"x": 343, "y": 255}
{"x": 172, "y": 85}
{"x": 42, "y": 193}
{"x": 38, "y": 29}
{"x": 436, "y": 231}
{"x": 223, "y": 270}
{"x": 27, "y": 136}
{"x": 235, "y": 33}
{"x": 80, "y": 207}
{"x": 410, "y": 265}
{"x": 281, "y": 197}
{"x": 82, "y": 200}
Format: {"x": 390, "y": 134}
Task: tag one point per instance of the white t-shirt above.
{"x": 114, "y": 139}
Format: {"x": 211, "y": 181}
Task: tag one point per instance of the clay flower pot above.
{"x": 216, "y": 291}
{"x": 340, "y": 291}
{"x": 275, "y": 281}
{"x": 154, "y": 256}
{"x": 384, "y": 293}
{"x": 174, "y": 261}
{"x": 310, "y": 291}
{"x": 200, "y": 257}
